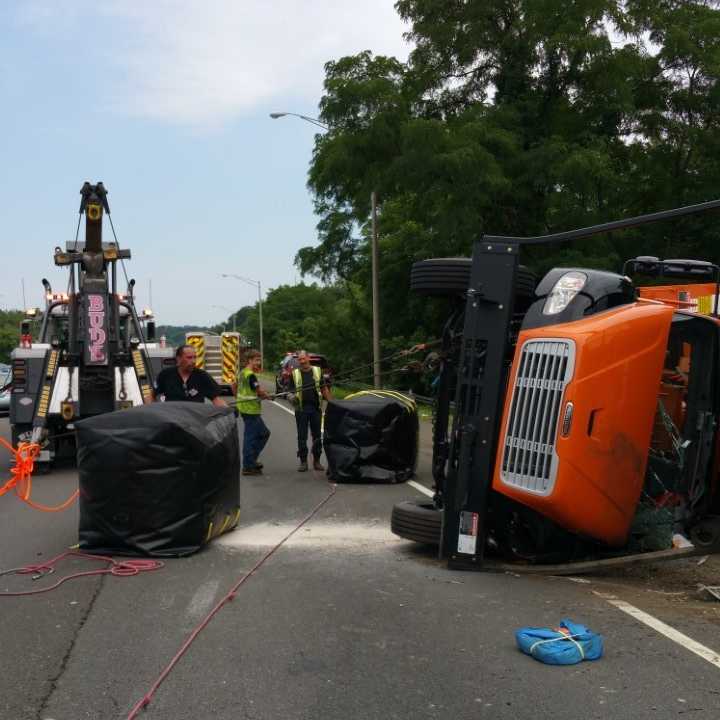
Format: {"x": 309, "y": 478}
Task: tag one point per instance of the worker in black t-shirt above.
{"x": 308, "y": 387}
{"x": 185, "y": 382}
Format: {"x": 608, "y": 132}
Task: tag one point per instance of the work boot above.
{"x": 317, "y": 465}
{"x": 252, "y": 471}
{"x": 303, "y": 467}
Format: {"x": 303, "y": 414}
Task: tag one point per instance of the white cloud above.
{"x": 205, "y": 62}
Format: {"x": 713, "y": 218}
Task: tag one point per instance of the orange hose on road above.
{"x": 21, "y": 476}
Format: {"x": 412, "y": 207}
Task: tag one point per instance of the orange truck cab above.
{"x": 612, "y": 408}
{"x": 582, "y": 403}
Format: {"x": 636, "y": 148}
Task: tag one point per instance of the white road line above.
{"x": 675, "y": 635}
{"x": 282, "y": 407}
{"x": 420, "y": 488}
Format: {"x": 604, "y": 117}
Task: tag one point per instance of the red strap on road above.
{"x": 119, "y": 568}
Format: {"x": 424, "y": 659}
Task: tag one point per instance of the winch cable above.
{"x": 148, "y": 366}
{"x": 231, "y": 594}
{"x": 118, "y": 568}
{"x": 347, "y": 375}
{"x": 394, "y": 356}
{"x": 355, "y": 381}
{"x": 21, "y": 476}
{"x": 77, "y": 231}
{"x": 71, "y": 274}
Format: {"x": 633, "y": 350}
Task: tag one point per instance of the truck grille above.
{"x": 529, "y": 457}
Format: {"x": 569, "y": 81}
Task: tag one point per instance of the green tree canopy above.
{"x": 9, "y": 332}
{"x": 521, "y": 117}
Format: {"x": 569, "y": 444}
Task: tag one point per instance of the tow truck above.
{"x": 92, "y": 353}
{"x": 582, "y": 404}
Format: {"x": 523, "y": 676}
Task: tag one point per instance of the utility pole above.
{"x": 262, "y": 349}
{"x": 375, "y": 294}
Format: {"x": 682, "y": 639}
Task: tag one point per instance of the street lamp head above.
{"x": 314, "y": 121}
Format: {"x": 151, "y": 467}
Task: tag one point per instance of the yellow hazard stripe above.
{"x": 227, "y": 525}
{"x": 230, "y": 356}
{"x": 139, "y": 364}
{"x": 198, "y": 342}
{"x": 44, "y": 401}
{"x": 52, "y": 364}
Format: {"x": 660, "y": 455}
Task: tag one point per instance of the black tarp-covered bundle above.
{"x": 158, "y": 480}
{"x": 371, "y": 436}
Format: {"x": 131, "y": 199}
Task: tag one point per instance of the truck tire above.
{"x": 418, "y": 521}
{"x": 706, "y": 534}
{"x": 451, "y": 276}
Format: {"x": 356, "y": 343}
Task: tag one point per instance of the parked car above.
{"x": 5, "y": 378}
{"x": 290, "y": 362}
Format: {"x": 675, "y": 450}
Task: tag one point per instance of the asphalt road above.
{"x": 344, "y": 621}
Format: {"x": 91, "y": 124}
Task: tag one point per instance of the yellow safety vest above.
{"x": 297, "y": 379}
{"x": 247, "y": 401}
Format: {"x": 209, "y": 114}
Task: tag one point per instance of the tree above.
{"x": 522, "y": 117}
{"x": 9, "y": 332}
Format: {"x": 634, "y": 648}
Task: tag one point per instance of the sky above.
{"x": 167, "y": 103}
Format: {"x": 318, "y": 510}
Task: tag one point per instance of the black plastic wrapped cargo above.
{"x": 158, "y": 480}
{"x": 371, "y": 436}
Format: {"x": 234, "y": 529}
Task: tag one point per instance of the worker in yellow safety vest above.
{"x": 307, "y": 388}
{"x": 248, "y": 397}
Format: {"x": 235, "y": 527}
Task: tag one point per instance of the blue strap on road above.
{"x": 568, "y": 644}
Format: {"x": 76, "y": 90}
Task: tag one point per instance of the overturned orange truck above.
{"x": 585, "y": 407}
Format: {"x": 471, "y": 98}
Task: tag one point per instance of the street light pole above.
{"x": 314, "y": 121}
{"x": 375, "y": 260}
{"x": 375, "y": 294}
{"x": 262, "y": 349}
{"x": 258, "y": 285}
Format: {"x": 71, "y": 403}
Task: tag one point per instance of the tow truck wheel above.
{"x": 451, "y": 276}
{"x": 418, "y": 521}
{"x": 706, "y": 534}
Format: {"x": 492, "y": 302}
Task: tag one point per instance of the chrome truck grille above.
{"x": 529, "y": 458}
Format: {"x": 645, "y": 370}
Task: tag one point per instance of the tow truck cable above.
{"x": 231, "y": 594}
{"x": 21, "y": 476}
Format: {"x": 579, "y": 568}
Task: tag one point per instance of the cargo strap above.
{"x": 561, "y": 636}
{"x": 21, "y": 476}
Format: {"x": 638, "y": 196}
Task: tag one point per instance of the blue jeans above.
{"x": 255, "y": 437}
{"x": 309, "y": 417}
